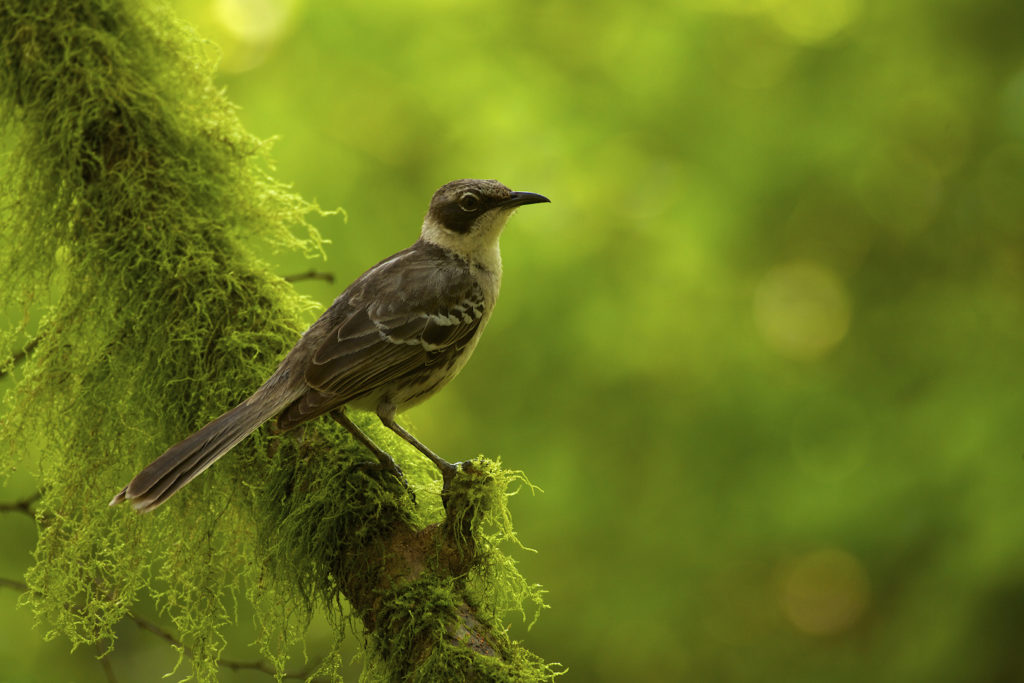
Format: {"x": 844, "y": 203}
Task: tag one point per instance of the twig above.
{"x": 108, "y": 669}
{"x": 311, "y": 275}
{"x": 24, "y": 505}
{"x": 266, "y": 668}
{"x": 234, "y": 665}
{"x": 13, "y": 583}
{"x": 29, "y": 348}
{"x": 160, "y": 632}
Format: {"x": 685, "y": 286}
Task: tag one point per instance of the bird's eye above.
{"x": 469, "y": 202}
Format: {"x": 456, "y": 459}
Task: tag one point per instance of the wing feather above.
{"x": 400, "y": 317}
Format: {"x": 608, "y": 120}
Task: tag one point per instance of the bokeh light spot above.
{"x": 801, "y": 310}
{"x": 246, "y": 31}
{"x": 254, "y": 21}
{"x": 825, "y": 592}
{"x": 813, "y": 21}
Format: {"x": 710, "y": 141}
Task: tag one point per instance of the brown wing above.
{"x": 397, "y": 320}
{"x": 385, "y": 350}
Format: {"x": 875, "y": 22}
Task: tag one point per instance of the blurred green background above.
{"x": 763, "y": 351}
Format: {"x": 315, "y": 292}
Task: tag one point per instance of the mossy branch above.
{"x": 131, "y": 199}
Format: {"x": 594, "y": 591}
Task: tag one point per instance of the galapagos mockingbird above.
{"x": 394, "y": 337}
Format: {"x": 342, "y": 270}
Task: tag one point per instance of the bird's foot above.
{"x": 450, "y": 470}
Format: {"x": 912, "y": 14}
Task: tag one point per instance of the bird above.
{"x": 394, "y": 337}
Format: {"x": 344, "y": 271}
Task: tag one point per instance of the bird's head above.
{"x": 467, "y": 216}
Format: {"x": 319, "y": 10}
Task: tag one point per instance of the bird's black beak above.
{"x": 521, "y": 198}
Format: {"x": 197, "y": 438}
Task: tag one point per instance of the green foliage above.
{"x": 133, "y": 200}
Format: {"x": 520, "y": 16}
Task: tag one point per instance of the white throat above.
{"x": 479, "y": 246}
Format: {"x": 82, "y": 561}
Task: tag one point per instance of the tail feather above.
{"x": 187, "y": 459}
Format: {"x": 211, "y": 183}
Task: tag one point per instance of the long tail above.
{"x": 187, "y": 459}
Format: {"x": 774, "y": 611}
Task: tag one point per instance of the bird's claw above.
{"x": 449, "y": 473}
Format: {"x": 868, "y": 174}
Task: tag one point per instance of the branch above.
{"x": 310, "y": 275}
{"x": 234, "y": 665}
{"x": 22, "y": 355}
{"x": 160, "y": 632}
{"x": 13, "y": 583}
{"x": 24, "y": 505}
{"x": 108, "y": 668}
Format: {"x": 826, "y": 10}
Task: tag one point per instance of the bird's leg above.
{"x": 448, "y": 470}
{"x": 386, "y": 461}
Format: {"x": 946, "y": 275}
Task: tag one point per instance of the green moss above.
{"x": 478, "y": 518}
{"x": 441, "y": 607}
{"x": 131, "y": 201}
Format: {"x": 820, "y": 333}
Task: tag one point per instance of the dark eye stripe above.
{"x": 455, "y": 219}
